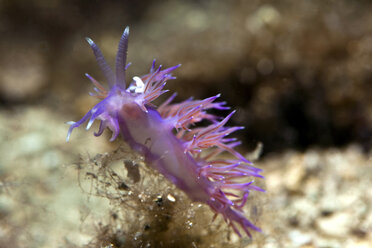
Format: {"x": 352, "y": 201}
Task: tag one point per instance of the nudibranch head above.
{"x": 142, "y": 90}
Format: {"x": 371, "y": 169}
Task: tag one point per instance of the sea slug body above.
{"x": 167, "y": 137}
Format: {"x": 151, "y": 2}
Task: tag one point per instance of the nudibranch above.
{"x": 166, "y": 135}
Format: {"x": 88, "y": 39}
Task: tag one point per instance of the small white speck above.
{"x": 171, "y": 198}
{"x": 140, "y": 86}
{"x": 90, "y": 41}
{"x": 90, "y": 124}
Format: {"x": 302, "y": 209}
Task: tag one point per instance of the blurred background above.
{"x": 298, "y": 72}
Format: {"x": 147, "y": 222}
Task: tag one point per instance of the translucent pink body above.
{"x": 148, "y": 134}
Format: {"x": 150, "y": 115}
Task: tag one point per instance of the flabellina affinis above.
{"x": 167, "y": 137}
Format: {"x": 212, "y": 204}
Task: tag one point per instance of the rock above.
{"x": 337, "y": 225}
{"x": 294, "y": 174}
{"x": 299, "y": 238}
{"x": 304, "y": 210}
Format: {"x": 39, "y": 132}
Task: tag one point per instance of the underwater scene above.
{"x": 186, "y": 123}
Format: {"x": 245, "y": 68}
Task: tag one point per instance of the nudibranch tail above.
{"x": 187, "y": 154}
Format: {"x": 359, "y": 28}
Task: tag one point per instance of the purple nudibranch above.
{"x": 168, "y": 139}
